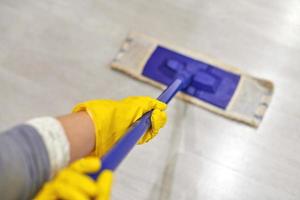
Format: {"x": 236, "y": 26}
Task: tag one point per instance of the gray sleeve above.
{"x": 24, "y": 163}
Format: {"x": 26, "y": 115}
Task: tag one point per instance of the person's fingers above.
{"x": 104, "y": 184}
{"x": 150, "y": 104}
{"x": 86, "y": 165}
{"x": 68, "y": 192}
{"x": 160, "y": 105}
{"x": 146, "y": 103}
{"x": 158, "y": 120}
{"x": 81, "y": 182}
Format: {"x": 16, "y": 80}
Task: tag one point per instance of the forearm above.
{"x": 79, "y": 130}
{"x": 32, "y": 153}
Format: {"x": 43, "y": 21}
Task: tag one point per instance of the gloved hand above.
{"x": 73, "y": 184}
{"x": 112, "y": 118}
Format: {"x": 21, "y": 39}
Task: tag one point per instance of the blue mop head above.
{"x": 215, "y": 86}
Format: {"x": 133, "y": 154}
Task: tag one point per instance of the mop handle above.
{"x": 116, "y": 155}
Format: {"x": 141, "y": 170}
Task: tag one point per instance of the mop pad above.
{"x": 217, "y": 87}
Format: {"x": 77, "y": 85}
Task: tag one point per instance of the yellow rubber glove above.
{"x": 112, "y": 118}
{"x": 72, "y": 183}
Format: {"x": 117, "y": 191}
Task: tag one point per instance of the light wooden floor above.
{"x": 54, "y": 54}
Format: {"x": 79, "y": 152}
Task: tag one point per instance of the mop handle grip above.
{"x": 116, "y": 155}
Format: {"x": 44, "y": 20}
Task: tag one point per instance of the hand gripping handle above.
{"x": 116, "y": 155}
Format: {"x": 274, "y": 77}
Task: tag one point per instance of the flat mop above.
{"x": 200, "y": 80}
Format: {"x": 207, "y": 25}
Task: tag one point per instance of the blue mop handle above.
{"x": 115, "y": 156}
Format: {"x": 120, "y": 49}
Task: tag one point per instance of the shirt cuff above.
{"x": 55, "y": 140}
